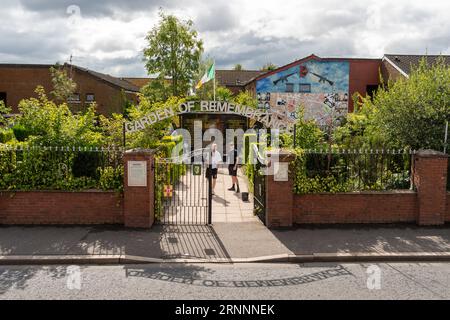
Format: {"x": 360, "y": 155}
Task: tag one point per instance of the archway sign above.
{"x": 270, "y": 119}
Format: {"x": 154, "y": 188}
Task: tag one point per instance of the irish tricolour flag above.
{"x": 209, "y": 75}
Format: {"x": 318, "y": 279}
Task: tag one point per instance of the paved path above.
{"x": 212, "y": 281}
{"x": 228, "y": 205}
{"x": 222, "y": 240}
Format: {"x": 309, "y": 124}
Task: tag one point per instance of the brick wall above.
{"x": 427, "y": 205}
{"x": 52, "y": 207}
{"x": 430, "y": 180}
{"x": 447, "y": 211}
{"x": 363, "y": 72}
{"x": 369, "y": 207}
{"x": 20, "y": 82}
{"x": 388, "y": 72}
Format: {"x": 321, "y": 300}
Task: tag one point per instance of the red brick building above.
{"x": 318, "y": 84}
{"x": 19, "y": 81}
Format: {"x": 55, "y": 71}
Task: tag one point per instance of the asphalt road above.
{"x": 224, "y": 281}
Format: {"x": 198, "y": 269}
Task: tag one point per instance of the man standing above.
{"x": 233, "y": 159}
{"x": 213, "y": 158}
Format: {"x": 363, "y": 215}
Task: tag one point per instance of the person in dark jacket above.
{"x": 233, "y": 161}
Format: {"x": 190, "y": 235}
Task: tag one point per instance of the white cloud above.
{"x": 109, "y": 36}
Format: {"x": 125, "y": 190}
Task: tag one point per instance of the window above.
{"x": 289, "y": 87}
{"x": 74, "y": 98}
{"x": 3, "y": 97}
{"x": 90, "y": 97}
{"x": 371, "y": 89}
{"x": 304, "y": 87}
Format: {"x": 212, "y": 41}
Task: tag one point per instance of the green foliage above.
{"x": 3, "y": 110}
{"x": 151, "y": 136}
{"x": 21, "y": 133}
{"x": 111, "y": 178}
{"x": 304, "y": 183}
{"x": 249, "y": 167}
{"x": 330, "y": 172}
{"x": 308, "y": 134}
{"x": 173, "y": 51}
{"x": 36, "y": 168}
{"x": 111, "y": 129}
{"x": 246, "y": 99}
{"x": 46, "y": 123}
{"x": 43, "y": 122}
{"x": 6, "y": 135}
{"x": 248, "y": 139}
{"x": 269, "y": 66}
{"x": 406, "y": 113}
{"x": 223, "y": 94}
{"x": 63, "y": 85}
{"x": 157, "y": 90}
{"x": 166, "y": 172}
{"x": 237, "y": 67}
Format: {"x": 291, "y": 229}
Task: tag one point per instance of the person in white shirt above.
{"x": 213, "y": 158}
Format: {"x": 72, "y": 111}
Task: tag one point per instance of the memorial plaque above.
{"x": 137, "y": 173}
{"x": 281, "y": 171}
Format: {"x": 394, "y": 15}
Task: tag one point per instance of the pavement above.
{"x": 222, "y": 242}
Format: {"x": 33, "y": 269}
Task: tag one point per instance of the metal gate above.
{"x": 182, "y": 193}
{"x": 259, "y": 189}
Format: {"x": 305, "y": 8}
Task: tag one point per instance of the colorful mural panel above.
{"x": 321, "y": 87}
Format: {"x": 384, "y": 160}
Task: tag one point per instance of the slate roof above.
{"x": 406, "y": 61}
{"x": 139, "y": 82}
{"x": 236, "y": 77}
{"x": 118, "y": 82}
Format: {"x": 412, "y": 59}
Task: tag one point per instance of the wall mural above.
{"x": 322, "y": 87}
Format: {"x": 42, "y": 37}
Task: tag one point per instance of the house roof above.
{"x": 25, "y": 65}
{"x": 118, "y": 82}
{"x": 139, "y": 82}
{"x": 405, "y": 62}
{"x": 236, "y": 77}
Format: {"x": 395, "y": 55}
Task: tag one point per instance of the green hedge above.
{"x": 44, "y": 169}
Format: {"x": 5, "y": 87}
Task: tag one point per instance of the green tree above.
{"x": 173, "y": 51}
{"x": 151, "y": 136}
{"x": 63, "y": 85}
{"x": 408, "y": 113}
{"x": 237, "y": 67}
{"x": 269, "y": 66}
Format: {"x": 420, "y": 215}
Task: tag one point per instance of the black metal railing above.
{"x": 353, "y": 170}
{"x": 60, "y": 168}
{"x": 259, "y": 188}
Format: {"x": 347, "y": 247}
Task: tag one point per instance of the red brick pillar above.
{"x": 279, "y": 190}
{"x": 430, "y": 180}
{"x": 138, "y": 188}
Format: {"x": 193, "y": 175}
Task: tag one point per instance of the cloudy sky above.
{"x": 108, "y": 36}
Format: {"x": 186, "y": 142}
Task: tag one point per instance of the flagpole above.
{"x": 214, "y": 80}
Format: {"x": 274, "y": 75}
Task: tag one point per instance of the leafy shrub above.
{"x": 6, "y": 135}
{"x": 21, "y": 132}
{"x": 111, "y": 178}
{"x": 85, "y": 164}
